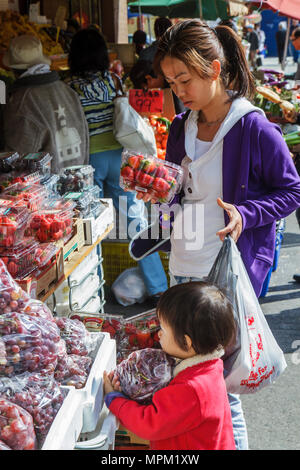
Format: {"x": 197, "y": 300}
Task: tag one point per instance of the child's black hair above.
{"x": 201, "y": 311}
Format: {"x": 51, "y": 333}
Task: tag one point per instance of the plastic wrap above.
{"x": 31, "y": 344}
{"x": 145, "y": 372}
{"x": 73, "y": 370}
{"x": 4, "y": 446}
{"x": 16, "y": 426}
{"x": 78, "y": 339}
{"x": 129, "y": 287}
{"x": 151, "y": 175}
{"x": 40, "y": 395}
{"x": 26, "y": 257}
{"x": 14, "y": 299}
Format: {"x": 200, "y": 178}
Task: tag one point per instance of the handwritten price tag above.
{"x": 150, "y": 101}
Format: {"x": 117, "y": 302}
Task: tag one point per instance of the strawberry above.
{"x": 160, "y": 185}
{"x": 127, "y": 173}
{"x": 144, "y": 179}
{"x": 162, "y": 172}
{"x": 148, "y": 166}
{"x": 135, "y": 160}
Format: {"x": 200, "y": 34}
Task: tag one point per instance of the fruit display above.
{"x": 27, "y": 256}
{"x": 16, "y": 426}
{"x": 40, "y": 395}
{"x": 131, "y": 333}
{"x": 73, "y": 370}
{"x": 144, "y": 372}
{"x": 13, "y": 222}
{"x": 40, "y": 162}
{"x": 50, "y": 224}
{"x": 9, "y": 161}
{"x": 31, "y": 344}
{"x": 76, "y": 178}
{"x": 147, "y": 174}
{"x": 25, "y": 194}
{"x": 161, "y": 128}
{"x": 13, "y": 24}
{"x": 14, "y": 177}
{"x": 77, "y": 338}
{"x": 82, "y": 200}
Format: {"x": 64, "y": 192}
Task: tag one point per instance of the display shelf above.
{"x": 75, "y": 261}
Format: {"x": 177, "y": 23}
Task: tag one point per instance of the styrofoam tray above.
{"x": 67, "y": 425}
{"x": 92, "y": 393}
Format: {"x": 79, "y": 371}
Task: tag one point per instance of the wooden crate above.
{"x": 128, "y": 437}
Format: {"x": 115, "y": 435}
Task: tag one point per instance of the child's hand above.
{"x": 111, "y": 383}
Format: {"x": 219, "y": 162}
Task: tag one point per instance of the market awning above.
{"x": 290, "y": 8}
{"x": 211, "y": 9}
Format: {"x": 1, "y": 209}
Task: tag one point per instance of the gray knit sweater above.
{"x": 44, "y": 114}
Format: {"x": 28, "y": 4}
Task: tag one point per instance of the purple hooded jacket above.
{"x": 259, "y": 178}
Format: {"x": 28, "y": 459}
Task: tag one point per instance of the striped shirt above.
{"x": 96, "y": 92}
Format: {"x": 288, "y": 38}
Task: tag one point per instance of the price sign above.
{"x": 150, "y": 101}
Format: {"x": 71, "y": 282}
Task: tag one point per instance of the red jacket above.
{"x": 191, "y": 413}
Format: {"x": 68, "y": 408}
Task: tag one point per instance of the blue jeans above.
{"x": 131, "y": 210}
{"x": 237, "y": 415}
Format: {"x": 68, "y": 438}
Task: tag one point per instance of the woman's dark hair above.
{"x": 139, "y": 71}
{"x": 88, "y": 52}
{"x": 197, "y": 45}
{"x": 161, "y": 24}
{"x": 139, "y": 37}
{"x": 201, "y": 311}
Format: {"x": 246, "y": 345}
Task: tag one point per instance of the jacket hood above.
{"x": 239, "y": 108}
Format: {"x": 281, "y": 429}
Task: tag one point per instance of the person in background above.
{"x": 143, "y": 77}
{"x": 237, "y": 167}
{"x": 280, "y": 40}
{"x": 229, "y": 22}
{"x": 161, "y": 24}
{"x": 192, "y": 412}
{"x": 261, "y": 43}
{"x": 42, "y": 114}
{"x": 295, "y": 40}
{"x": 139, "y": 39}
{"x": 97, "y": 88}
{"x": 293, "y": 50}
{"x": 252, "y": 38}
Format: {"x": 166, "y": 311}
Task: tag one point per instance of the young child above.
{"x": 192, "y": 412}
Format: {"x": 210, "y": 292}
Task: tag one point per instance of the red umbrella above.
{"x": 290, "y": 8}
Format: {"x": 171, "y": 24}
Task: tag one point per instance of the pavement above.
{"x": 273, "y": 414}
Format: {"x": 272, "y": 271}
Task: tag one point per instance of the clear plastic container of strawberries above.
{"x": 26, "y": 194}
{"x": 13, "y": 223}
{"x": 53, "y": 221}
{"x": 148, "y": 174}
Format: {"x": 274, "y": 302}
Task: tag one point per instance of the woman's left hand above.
{"x": 235, "y": 226}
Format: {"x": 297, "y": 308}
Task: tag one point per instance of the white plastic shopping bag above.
{"x": 255, "y": 359}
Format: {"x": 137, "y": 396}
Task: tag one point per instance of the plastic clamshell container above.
{"x": 76, "y": 178}
{"x": 20, "y": 259}
{"x": 50, "y": 224}
{"x": 148, "y": 174}
{"x": 67, "y": 425}
{"x": 51, "y": 184}
{"x": 13, "y": 222}
{"x": 104, "y": 358}
{"x": 25, "y": 194}
{"x": 9, "y": 160}
{"x": 82, "y": 201}
{"x": 14, "y": 177}
{"x": 94, "y": 192}
{"x": 40, "y": 161}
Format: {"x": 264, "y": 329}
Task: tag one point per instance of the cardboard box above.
{"x": 168, "y": 106}
{"x": 94, "y": 228}
{"x": 129, "y": 436}
{"x": 72, "y": 247}
{"x": 37, "y": 286}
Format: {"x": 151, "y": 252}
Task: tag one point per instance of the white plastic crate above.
{"x": 104, "y": 358}
{"x": 67, "y": 425}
